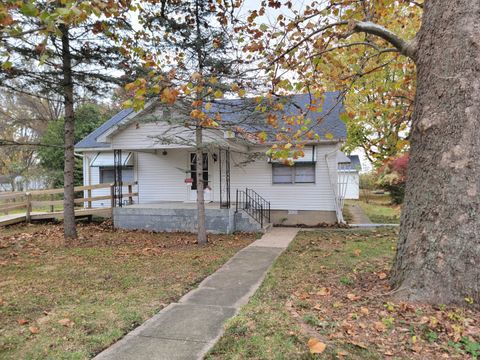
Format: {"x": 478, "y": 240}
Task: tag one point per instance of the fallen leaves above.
{"x": 324, "y": 291}
{"x": 34, "y": 330}
{"x": 382, "y": 276}
{"x": 22, "y": 321}
{"x": 353, "y": 297}
{"x": 316, "y": 346}
{"x": 66, "y": 322}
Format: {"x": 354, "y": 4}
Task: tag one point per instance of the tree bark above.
{"x": 201, "y": 228}
{"x": 438, "y": 255}
{"x": 69, "y": 229}
{"x": 202, "y": 232}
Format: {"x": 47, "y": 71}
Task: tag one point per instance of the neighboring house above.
{"x": 21, "y": 183}
{"x": 349, "y": 177}
{"x": 159, "y": 156}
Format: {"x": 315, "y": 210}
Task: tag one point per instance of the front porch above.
{"x": 173, "y": 216}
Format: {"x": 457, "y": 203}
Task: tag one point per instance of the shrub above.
{"x": 392, "y": 177}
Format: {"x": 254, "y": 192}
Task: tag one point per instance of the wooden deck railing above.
{"x": 47, "y": 199}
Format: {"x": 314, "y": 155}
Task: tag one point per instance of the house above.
{"x": 244, "y": 188}
{"x": 349, "y": 177}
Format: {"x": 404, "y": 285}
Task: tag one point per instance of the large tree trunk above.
{"x": 202, "y": 233}
{"x": 438, "y": 256}
{"x": 69, "y": 229}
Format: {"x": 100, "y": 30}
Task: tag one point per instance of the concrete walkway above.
{"x": 189, "y": 328}
{"x": 358, "y": 215}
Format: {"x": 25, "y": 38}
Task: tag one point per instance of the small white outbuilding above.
{"x": 349, "y": 177}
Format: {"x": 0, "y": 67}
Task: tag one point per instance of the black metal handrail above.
{"x": 254, "y": 205}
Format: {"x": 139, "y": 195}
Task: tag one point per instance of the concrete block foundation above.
{"x": 218, "y": 221}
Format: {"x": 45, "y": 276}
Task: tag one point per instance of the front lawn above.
{"x": 381, "y": 214}
{"x": 72, "y": 302}
{"x": 329, "y": 293}
{"x": 378, "y": 208}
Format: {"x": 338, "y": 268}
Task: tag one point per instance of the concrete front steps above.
{"x": 245, "y": 223}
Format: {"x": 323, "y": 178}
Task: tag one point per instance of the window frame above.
{"x": 101, "y": 169}
{"x": 293, "y": 173}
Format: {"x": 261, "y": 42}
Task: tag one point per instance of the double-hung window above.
{"x": 107, "y": 174}
{"x": 299, "y": 173}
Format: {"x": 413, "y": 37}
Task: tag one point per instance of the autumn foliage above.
{"x": 393, "y": 176}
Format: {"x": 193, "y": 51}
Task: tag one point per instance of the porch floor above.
{"x": 175, "y": 205}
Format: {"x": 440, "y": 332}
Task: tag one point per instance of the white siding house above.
{"x": 305, "y": 193}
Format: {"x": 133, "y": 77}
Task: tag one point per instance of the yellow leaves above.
{"x": 262, "y": 136}
{"x": 169, "y": 95}
{"x": 218, "y": 94}
{"x": 316, "y": 346}
{"x": 287, "y": 146}
{"x": 329, "y": 136}
{"x": 469, "y": 300}
{"x": 208, "y": 106}
{"x": 241, "y": 92}
{"x": 196, "y": 114}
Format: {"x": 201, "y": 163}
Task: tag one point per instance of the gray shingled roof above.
{"x": 242, "y": 113}
{"x": 90, "y": 141}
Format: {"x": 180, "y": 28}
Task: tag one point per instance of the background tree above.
{"x": 62, "y": 48}
{"x": 88, "y": 117}
{"x": 23, "y": 120}
{"x": 191, "y": 63}
{"x": 438, "y": 241}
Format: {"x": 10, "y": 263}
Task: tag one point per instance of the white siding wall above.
{"x": 160, "y": 179}
{"x": 145, "y": 136}
{"x": 352, "y": 180}
{"x": 258, "y": 176}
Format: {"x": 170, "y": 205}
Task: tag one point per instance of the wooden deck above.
{"x": 30, "y": 202}
{"x": 57, "y": 215}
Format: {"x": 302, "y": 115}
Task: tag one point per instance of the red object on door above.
{"x": 188, "y": 180}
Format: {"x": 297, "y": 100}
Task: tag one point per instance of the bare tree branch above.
{"x": 407, "y": 48}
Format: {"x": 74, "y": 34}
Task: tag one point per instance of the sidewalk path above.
{"x": 358, "y": 215}
{"x": 189, "y": 328}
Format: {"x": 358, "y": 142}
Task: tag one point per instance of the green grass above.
{"x": 265, "y": 327}
{"x": 332, "y": 285}
{"x": 381, "y": 214}
{"x": 106, "y": 283}
{"x": 377, "y": 207}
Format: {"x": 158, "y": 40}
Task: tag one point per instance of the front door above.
{"x": 208, "y": 193}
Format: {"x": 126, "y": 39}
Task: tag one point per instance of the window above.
{"x": 299, "y": 173}
{"x": 107, "y": 174}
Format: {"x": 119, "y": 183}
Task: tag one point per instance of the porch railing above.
{"x": 254, "y": 205}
